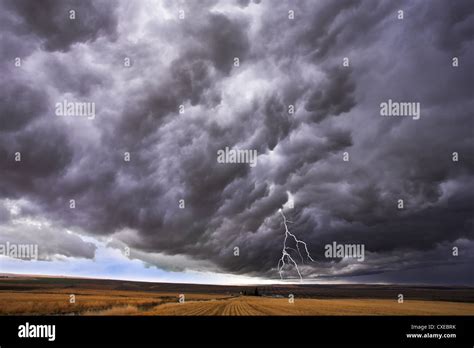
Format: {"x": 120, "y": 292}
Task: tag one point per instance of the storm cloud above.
{"x": 173, "y": 83}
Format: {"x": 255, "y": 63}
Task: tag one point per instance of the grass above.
{"x": 89, "y": 302}
{"x": 116, "y": 302}
{"x": 30, "y": 295}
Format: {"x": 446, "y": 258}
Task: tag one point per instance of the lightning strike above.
{"x": 286, "y": 258}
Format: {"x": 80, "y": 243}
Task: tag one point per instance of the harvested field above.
{"x": 51, "y": 296}
{"x": 270, "y": 306}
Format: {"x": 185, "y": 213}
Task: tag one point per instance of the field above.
{"x": 23, "y": 295}
{"x": 270, "y": 306}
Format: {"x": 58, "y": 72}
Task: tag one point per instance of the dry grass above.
{"x": 52, "y": 301}
{"x": 273, "y": 306}
{"x": 88, "y": 302}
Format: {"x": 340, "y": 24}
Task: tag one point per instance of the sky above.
{"x": 299, "y": 82}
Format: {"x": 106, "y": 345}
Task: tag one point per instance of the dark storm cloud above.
{"x": 19, "y": 224}
{"x": 50, "y": 21}
{"x": 333, "y": 98}
{"x": 41, "y": 159}
{"x": 80, "y": 80}
{"x": 454, "y": 29}
{"x": 282, "y": 62}
{"x": 59, "y": 244}
{"x": 22, "y": 103}
{"x": 4, "y": 214}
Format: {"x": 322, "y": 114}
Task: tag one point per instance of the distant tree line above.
{"x": 249, "y": 292}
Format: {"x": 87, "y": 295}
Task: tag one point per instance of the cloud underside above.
{"x": 282, "y": 62}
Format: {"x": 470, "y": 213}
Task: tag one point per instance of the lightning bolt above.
{"x": 284, "y": 253}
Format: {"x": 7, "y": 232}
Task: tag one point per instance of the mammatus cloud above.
{"x": 304, "y": 92}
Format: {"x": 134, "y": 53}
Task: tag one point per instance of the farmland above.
{"x": 28, "y": 295}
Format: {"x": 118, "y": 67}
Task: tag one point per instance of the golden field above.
{"x": 87, "y": 302}
{"x": 136, "y": 303}
{"x": 271, "y": 306}
{"x": 22, "y": 295}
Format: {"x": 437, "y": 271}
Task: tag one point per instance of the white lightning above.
{"x": 285, "y": 254}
